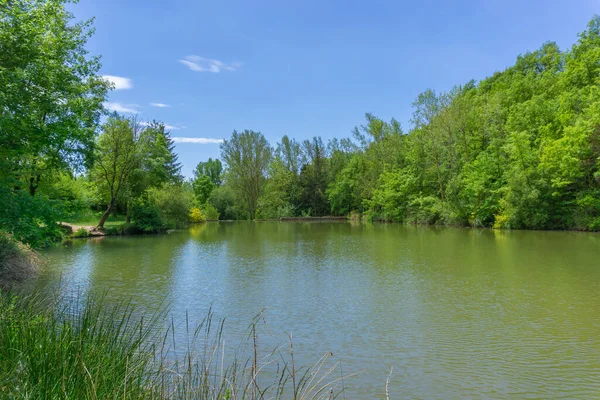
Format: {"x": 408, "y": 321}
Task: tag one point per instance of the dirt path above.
{"x": 90, "y": 229}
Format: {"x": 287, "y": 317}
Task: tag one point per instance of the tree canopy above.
{"x": 247, "y": 156}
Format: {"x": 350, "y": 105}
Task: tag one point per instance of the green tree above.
{"x": 207, "y": 177}
{"x": 159, "y": 161}
{"x": 203, "y": 187}
{"x": 117, "y": 157}
{"x": 50, "y": 105}
{"x": 426, "y": 109}
{"x": 314, "y": 178}
{"x": 291, "y": 154}
{"x": 247, "y": 155}
{"x": 158, "y": 164}
{"x": 276, "y": 199}
{"x": 51, "y": 98}
{"x": 345, "y": 192}
{"x": 211, "y": 168}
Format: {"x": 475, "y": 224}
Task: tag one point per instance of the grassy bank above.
{"x": 91, "y": 349}
{"x": 17, "y": 261}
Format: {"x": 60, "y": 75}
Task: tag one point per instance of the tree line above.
{"x": 520, "y": 149}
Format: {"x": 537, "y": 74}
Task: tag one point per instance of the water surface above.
{"x": 457, "y": 312}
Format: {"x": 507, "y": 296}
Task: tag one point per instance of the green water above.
{"x": 457, "y": 312}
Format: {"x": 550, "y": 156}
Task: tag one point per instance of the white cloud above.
{"x": 122, "y": 108}
{"x": 119, "y": 82}
{"x": 200, "y": 140}
{"x": 159, "y": 105}
{"x": 167, "y": 126}
{"x": 201, "y": 64}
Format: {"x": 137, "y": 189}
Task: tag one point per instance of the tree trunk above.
{"x": 106, "y": 214}
{"x": 34, "y": 182}
{"x": 128, "y": 218}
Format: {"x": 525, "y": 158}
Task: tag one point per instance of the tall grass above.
{"x": 93, "y": 349}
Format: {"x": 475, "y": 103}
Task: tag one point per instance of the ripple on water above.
{"x": 457, "y": 313}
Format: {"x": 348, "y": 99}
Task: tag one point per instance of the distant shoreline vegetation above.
{"x": 517, "y": 150}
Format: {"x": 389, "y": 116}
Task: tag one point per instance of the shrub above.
{"x": 210, "y": 212}
{"x": 196, "y": 215}
{"x": 31, "y": 219}
{"x": 286, "y": 211}
{"x": 73, "y": 194}
{"x": 146, "y": 217}
{"x": 173, "y": 203}
{"x": 80, "y": 233}
{"x": 113, "y": 230}
{"x": 500, "y": 221}
{"x": 587, "y": 212}
{"x": 222, "y": 199}
{"x": 425, "y": 210}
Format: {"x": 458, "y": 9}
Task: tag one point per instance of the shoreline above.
{"x": 91, "y": 231}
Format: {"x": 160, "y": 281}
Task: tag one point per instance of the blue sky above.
{"x": 306, "y": 68}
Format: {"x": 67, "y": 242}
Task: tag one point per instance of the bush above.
{"x": 113, "y": 230}
{"x": 146, "y": 217}
{"x": 80, "y": 233}
{"x": 17, "y": 261}
{"x": 31, "y": 219}
{"x": 73, "y": 194}
{"x": 222, "y": 199}
{"x": 355, "y": 216}
{"x": 210, "y": 212}
{"x": 587, "y": 212}
{"x": 196, "y": 215}
{"x": 425, "y": 210}
{"x": 173, "y": 203}
{"x": 500, "y": 221}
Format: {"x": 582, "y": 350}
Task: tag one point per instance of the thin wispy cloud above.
{"x": 167, "y": 126}
{"x": 122, "y": 108}
{"x": 118, "y": 82}
{"x": 201, "y": 64}
{"x": 199, "y": 140}
{"x": 160, "y": 105}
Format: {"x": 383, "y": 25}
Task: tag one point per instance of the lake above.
{"x": 456, "y": 312}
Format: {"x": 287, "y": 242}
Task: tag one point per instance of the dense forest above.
{"x": 518, "y": 150}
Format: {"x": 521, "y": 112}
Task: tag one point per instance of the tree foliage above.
{"x": 51, "y": 98}
{"x": 520, "y": 149}
{"x": 117, "y": 157}
{"x": 247, "y": 156}
{"x": 50, "y": 105}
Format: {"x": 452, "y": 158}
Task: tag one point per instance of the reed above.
{"x": 90, "y": 348}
